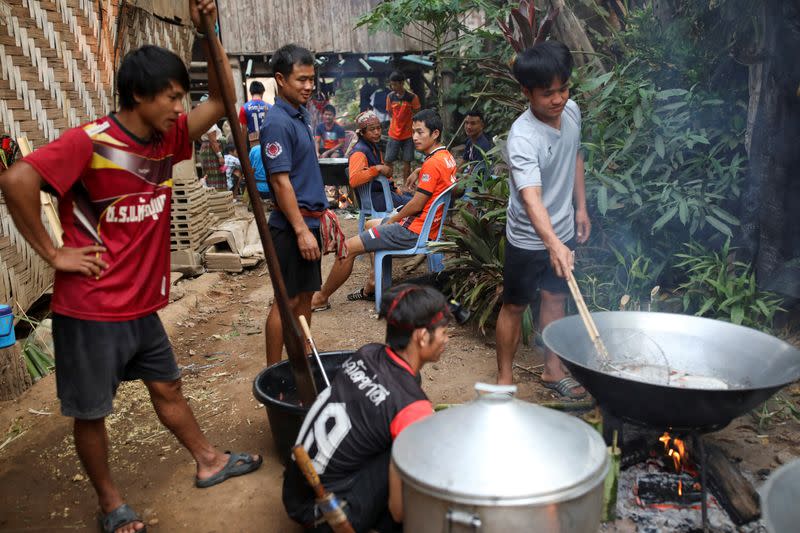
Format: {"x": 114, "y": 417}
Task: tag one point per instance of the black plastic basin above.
{"x": 275, "y": 388}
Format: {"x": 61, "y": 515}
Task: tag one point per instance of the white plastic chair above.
{"x": 364, "y": 196}
{"x": 383, "y": 272}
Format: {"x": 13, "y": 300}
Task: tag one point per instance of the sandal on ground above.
{"x": 360, "y": 295}
{"x": 239, "y": 464}
{"x": 323, "y": 307}
{"x": 566, "y": 387}
{"x": 121, "y": 516}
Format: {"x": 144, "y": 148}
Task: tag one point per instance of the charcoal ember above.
{"x": 657, "y": 488}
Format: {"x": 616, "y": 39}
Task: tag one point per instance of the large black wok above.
{"x": 753, "y": 364}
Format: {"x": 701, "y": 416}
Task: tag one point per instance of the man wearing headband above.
{"x": 366, "y": 163}
{"x": 374, "y": 396}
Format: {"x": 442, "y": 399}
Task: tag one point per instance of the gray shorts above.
{"x": 399, "y": 150}
{"x": 388, "y": 237}
{"x": 94, "y": 357}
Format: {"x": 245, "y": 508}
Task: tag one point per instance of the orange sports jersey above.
{"x": 402, "y": 109}
{"x": 438, "y": 172}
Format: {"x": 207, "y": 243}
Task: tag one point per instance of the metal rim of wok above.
{"x": 759, "y": 363}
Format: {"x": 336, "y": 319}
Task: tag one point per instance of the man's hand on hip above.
{"x": 84, "y": 260}
{"x": 309, "y": 248}
{"x": 562, "y": 259}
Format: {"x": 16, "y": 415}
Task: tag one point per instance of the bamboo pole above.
{"x": 292, "y": 336}
{"x": 46, "y": 200}
{"x": 586, "y": 316}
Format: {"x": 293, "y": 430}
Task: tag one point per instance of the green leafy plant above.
{"x": 38, "y": 360}
{"x": 620, "y": 277}
{"x": 658, "y": 158}
{"x": 719, "y": 287}
{"x": 433, "y": 23}
{"x": 476, "y": 238}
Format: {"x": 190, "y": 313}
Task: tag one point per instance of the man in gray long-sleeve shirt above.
{"x": 546, "y": 177}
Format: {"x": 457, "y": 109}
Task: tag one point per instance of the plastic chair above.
{"x": 383, "y": 260}
{"x": 364, "y": 195}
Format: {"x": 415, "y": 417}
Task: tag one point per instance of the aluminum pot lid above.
{"x": 497, "y": 450}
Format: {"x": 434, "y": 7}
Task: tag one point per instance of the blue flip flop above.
{"x": 121, "y": 516}
{"x": 239, "y": 464}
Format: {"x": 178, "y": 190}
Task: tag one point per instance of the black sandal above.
{"x": 360, "y": 295}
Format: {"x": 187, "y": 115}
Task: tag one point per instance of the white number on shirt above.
{"x": 327, "y": 440}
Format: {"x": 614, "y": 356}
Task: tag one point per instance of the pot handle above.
{"x": 462, "y": 518}
{"x": 488, "y": 388}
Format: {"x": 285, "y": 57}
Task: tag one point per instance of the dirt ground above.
{"x": 217, "y": 332}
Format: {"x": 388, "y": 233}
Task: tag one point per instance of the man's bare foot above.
{"x": 504, "y": 378}
{"x": 318, "y": 301}
{"x": 120, "y": 514}
{"x": 220, "y": 461}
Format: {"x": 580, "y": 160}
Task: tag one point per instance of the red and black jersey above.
{"x": 114, "y": 190}
{"x": 372, "y": 398}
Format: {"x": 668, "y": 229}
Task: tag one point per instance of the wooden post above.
{"x": 292, "y": 336}
{"x": 14, "y": 376}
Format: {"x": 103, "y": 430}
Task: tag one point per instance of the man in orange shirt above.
{"x": 401, "y": 105}
{"x": 400, "y": 230}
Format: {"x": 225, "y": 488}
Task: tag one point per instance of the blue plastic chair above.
{"x": 383, "y": 259}
{"x": 364, "y": 195}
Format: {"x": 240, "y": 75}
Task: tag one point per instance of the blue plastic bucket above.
{"x": 7, "y": 337}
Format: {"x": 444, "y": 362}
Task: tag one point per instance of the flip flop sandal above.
{"x": 121, "y": 516}
{"x": 323, "y": 307}
{"x": 239, "y": 464}
{"x": 360, "y": 295}
{"x": 565, "y": 387}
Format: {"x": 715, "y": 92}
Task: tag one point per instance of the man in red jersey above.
{"x": 113, "y": 177}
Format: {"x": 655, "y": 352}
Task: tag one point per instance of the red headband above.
{"x": 438, "y": 317}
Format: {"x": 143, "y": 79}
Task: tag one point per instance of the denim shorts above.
{"x": 399, "y": 150}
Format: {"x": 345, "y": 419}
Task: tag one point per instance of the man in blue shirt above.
{"x": 477, "y": 143}
{"x": 329, "y": 135}
{"x": 290, "y": 159}
{"x": 254, "y": 111}
{"x": 258, "y": 170}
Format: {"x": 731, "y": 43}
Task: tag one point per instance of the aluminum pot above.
{"x": 779, "y": 497}
{"x": 499, "y": 465}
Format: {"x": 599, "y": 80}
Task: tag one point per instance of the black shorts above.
{"x": 365, "y": 496}
{"x": 94, "y": 357}
{"x": 525, "y": 271}
{"x": 298, "y": 274}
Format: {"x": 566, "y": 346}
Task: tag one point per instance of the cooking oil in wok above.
{"x": 632, "y": 354}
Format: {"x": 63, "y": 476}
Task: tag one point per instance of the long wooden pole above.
{"x": 292, "y": 336}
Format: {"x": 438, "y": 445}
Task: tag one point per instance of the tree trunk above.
{"x": 14, "y": 376}
{"x": 569, "y": 30}
{"x": 769, "y": 233}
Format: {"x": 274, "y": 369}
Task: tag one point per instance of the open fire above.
{"x": 670, "y": 479}
{"x": 660, "y": 485}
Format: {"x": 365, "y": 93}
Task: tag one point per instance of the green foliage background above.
{"x": 663, "y": 139}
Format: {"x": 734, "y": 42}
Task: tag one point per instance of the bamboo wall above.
{"x": 259, "y": 27}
